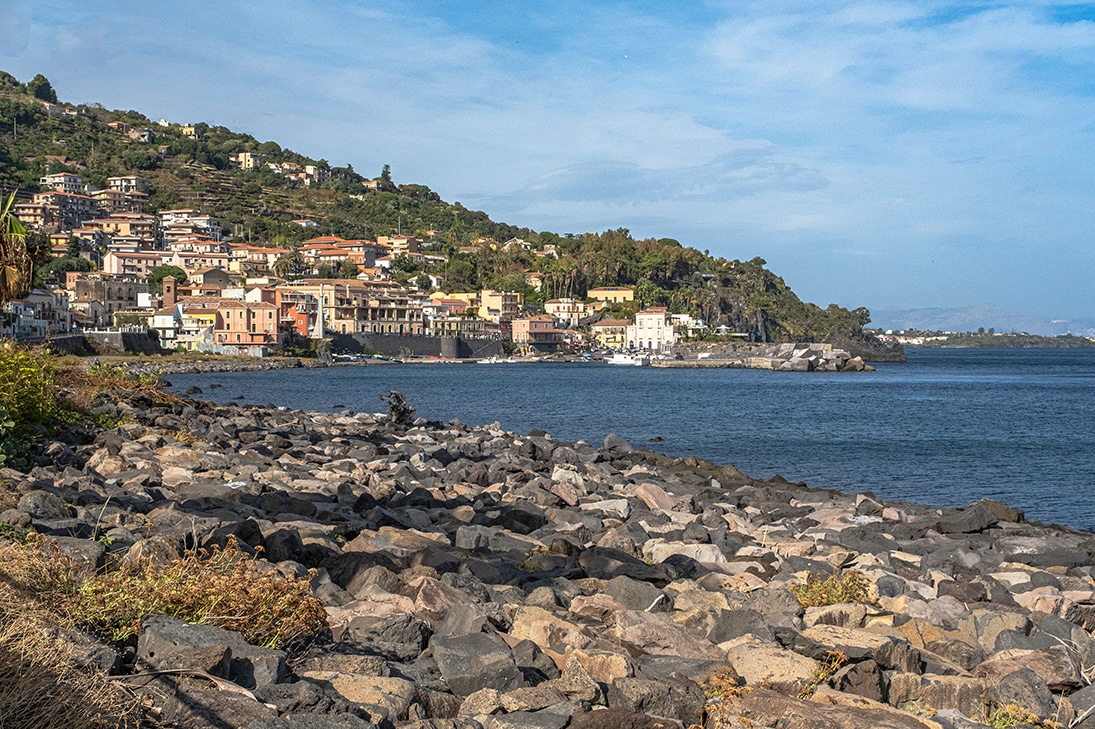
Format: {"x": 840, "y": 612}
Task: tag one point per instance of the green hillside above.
{"x": 39, "y": 135}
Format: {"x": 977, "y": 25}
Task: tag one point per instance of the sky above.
{"x": 893, "y": 155}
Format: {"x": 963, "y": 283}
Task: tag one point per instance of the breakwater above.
{"x": 476, "y": 578}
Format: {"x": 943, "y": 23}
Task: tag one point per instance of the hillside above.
{"x": 199, "y": 166}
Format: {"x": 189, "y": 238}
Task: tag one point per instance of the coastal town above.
{"x": 230, "y": 297}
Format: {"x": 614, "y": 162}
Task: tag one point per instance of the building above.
{"x": 36, "y": 316}
{"x": 245, "y": 160}
{"x": 129, "y": 183}
{"x": 37, "y": 216}
{"x": 63, "y": 182}
{"x": 127, "y": 225}
{"x": 216, "y": 279}
{"x": 136, "y": 263}
{"x": 245, "y": 325}
{"x": 612, "y": 294}
{"x": 537, "y": 333}
{"x": 611, "y": 333}
{"x": 570, "y": 311}
{"x": 298, "y": 311}
{"x": 69, "y": 210}
{"x": 499, "y": 305}
{"x": 243, "y": 258}
{"x": 350, "y": 306}
{"x": 187, "y": 222}
{"x": 467, "y": 327}
{"x": 653, "y": 331}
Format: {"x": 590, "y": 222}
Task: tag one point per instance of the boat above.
{"x": 634, "y": 360}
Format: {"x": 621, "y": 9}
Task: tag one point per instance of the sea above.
{"x": 946, "y": 428}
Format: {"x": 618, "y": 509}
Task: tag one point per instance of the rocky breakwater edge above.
{"x": 786, "y": 357}
{"x": 478, "y": 579}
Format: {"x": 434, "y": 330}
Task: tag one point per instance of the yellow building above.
{"x": 499, "y": 305}
{"x": 612, "y": 294}
{"x": 611, "y": 333}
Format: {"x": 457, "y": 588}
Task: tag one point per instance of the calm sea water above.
{"x": 945, "y": 429}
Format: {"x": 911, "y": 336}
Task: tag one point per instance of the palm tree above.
{"x": 16, "y": 265}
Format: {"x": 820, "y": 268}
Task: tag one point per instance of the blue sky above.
{"x": 880, "y": 154}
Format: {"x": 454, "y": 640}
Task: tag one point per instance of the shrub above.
{"x": 226, "y": 588}
{"x": 1013, "y": 715}
{"x": 29, "y": 400}
{"x": 816, "y": 592}
{"x": 39, "y": 391}
{"x": 833, "y": 661}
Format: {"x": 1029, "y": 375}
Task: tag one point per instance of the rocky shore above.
{"x": 479, "y": 579}
{"x": 786, "y": 357}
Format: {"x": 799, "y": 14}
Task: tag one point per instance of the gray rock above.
{"x": 730, "y": 624}
{"x": 1027, "y": 689}
{"x": 397, "y": 637}
{"x": 469, "y": 663}
{"x": 606, "y": 563}
{"x": 669, "y": 699}
{"x": 975, "y": 518}
{"x": 637, "y": 595}
{"x": 164, "y": 641}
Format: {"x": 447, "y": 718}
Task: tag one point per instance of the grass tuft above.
{"x": 1013, "y": 715}
{"x": 816, "y": 592}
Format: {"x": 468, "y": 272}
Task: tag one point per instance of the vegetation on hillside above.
{"x": 259, "y": 206}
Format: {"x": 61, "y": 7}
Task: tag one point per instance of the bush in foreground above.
{"x": 47, "y": 600}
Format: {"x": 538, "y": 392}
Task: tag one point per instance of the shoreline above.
{"x": 593, "y": 576}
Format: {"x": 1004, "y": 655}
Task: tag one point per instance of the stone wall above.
{"x": 416, "y": 345}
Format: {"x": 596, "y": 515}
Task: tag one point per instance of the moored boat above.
{"x": 635, "y": 360}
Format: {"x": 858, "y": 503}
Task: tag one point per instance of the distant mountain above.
{"x": 972, "y": 318}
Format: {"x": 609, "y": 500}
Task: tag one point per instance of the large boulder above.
{"x": 469, "y": 663}
{"x": 167, "y": 643}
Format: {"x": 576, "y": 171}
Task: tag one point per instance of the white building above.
{"x": 63, "y": 182}
{"x": 653, "y": 331}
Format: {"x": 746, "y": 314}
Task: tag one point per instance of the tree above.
{"x": 323, "y": 270}
{"x": 16, "y": 263}
{"x": 59, "y": 266}
{"x": 347, "y": 269}
{"x": 159, "y": 273}
{"x": 40, "y": 88}
{"x": 291, "y": 262}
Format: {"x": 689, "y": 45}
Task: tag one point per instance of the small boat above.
{"x": 634, "y": 360}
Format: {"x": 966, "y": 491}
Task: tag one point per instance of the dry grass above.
{"x": 81, "y": 387}
{"x": 834, "y": 660}
{"x": 43, "y": 681}
{"x": 226, "y": 588}
{"x": 1013, "y": 715}
{"x": 45, "y": 597}
{"x": 721, "y": 690}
